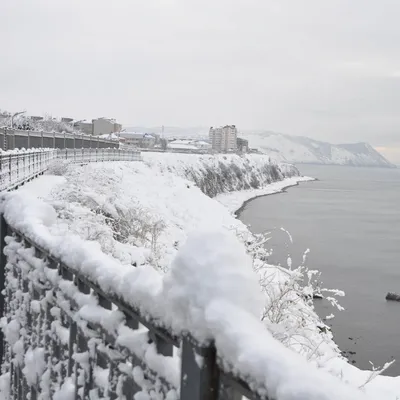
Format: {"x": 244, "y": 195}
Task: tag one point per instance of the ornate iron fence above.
{"x": 53, "y": 344}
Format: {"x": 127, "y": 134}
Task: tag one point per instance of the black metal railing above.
{"x": 43, "y": 303}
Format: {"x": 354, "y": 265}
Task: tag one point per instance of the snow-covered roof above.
{"x": 132, "y": 135}
{"x": 202, "y": 143}
{"x": 181, "y": 141}
{"x": 136, "y": 135}
{"x": 181, "y": 146}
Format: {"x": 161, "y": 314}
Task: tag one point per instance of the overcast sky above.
{"x": 326, "y": 69}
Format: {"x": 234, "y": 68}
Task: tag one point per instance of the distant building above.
{"x": 36, "y": 118}
{"x": 143, "y": 140}
{"x": 66, "y": 120}
{"x": 189, "y": 146}
{"x": 242, "y": 145}
{"x": 85, "y": 126}
{"x": 104, "y": 126}
{"x": 223, "y": 139}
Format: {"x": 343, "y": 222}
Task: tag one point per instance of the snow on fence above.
{"x": 77, "y": 324}
{"x": 18, "y": 167}
{"x": 60, "y": 336}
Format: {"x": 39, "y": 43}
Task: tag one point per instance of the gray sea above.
{"x": 350, "y": 220}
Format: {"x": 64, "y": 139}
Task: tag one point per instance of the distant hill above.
{"x": 301, "y": 150}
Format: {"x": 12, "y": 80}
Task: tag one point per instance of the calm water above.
{"x": 350, "y": 220}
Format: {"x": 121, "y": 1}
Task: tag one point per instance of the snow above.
{"x": 206, "y": 288}
{"x": 34, "y": 365}
{"x": 210, "y": 266}
{"x": 109, "y": 136}
{"x": 182, "y": 146}
{"x": 42, "y": 186}
{"x": 234, "y": 201}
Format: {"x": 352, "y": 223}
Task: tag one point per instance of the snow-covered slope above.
{"x": 297, "y": 149}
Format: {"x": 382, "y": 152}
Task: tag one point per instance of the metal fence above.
{"x": 98, "y": 155}
{"x": 11, "y": 139}
{"x": 18, "y": 168}
{"x": 44, "y": 294}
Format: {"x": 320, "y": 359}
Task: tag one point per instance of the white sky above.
{"x": 326, "y": 69}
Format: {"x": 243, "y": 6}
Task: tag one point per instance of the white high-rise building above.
{"x": 223, "y": 139}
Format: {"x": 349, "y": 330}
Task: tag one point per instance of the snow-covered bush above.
{"x": 124, "y": 227}
{"x": 58, "y": 167}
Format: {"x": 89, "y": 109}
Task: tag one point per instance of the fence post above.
{"x": 74, "y": 141}
{"x": 3, "y": 262}
{"x": 54, "y": 140}
{"x": 5, "y": 140}
{"x": 9, "y": 168}
{"x": 29, "y": 140}
{"x": 65, "y": 141}
{"x": 17, "y": 167}
{"x": 24, "y": 174}
{"x": 198, "y": 382}
{"x": 41, "y": 141}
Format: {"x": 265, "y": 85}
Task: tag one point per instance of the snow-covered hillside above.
{"x": 300, "y": 150}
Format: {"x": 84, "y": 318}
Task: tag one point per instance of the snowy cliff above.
{"x": 300, "y": 150}
{"x": 215, "y": 174}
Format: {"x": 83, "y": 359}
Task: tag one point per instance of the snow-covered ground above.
{"x": 143, "y": 213}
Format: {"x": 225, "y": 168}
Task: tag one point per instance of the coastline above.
{"x": 237, "y": 201}
{"x": 381, "y": 386}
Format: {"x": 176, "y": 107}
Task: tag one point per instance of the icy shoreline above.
{"x": 236, "y": 201}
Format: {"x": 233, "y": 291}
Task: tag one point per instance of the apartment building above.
{"x": 105, "y": 126}
{"x": 143, "y": 140}
{"x": 223, "y": 139}
{"x": 242, "y": 145}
